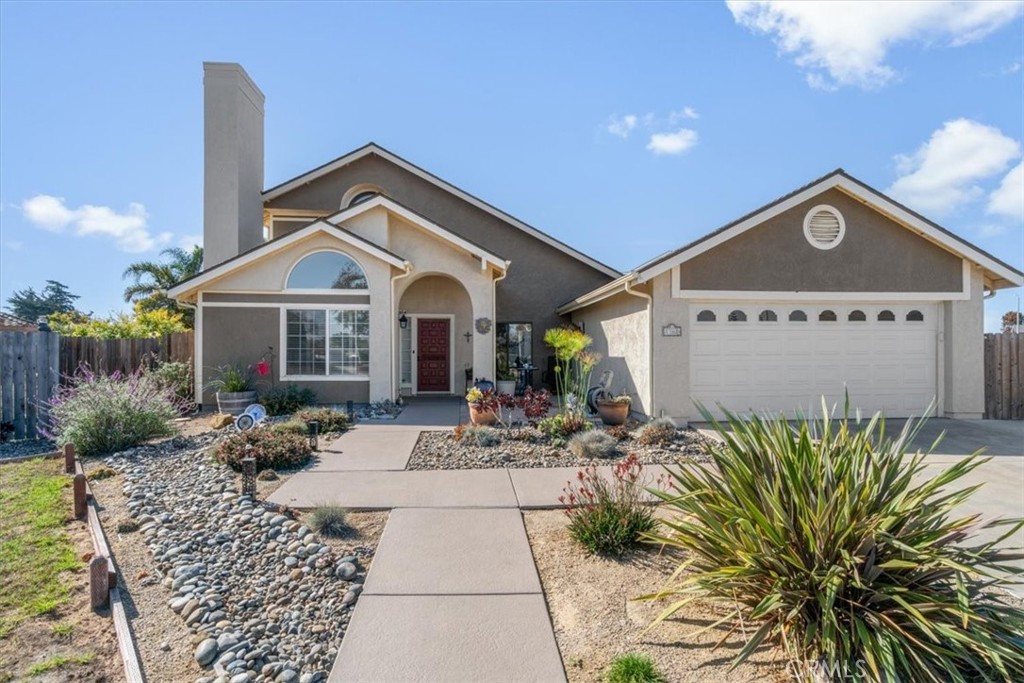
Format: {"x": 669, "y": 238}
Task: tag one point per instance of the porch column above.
{"x": 483, "y": 344}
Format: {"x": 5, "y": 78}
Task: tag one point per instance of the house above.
{"x": 832, "y": 288}
{"x": 368, "y": 277}
{"x": 12, "y": 323}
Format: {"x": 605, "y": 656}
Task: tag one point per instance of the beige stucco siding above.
{"x": 964, "y": 352}
{"x": 434, "y": 295}
{"x": 541, "y": 277}
{"x": 671, "y": 378}
{"x": 876, "y": 255}
{"x": 620, "y": 328}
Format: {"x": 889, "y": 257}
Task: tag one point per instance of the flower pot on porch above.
{"x": 613, "y": 413}
{"x": 234, "y": 402}
{"x": 481, "y": 417}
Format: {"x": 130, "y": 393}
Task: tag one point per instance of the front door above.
{"x": 433, "y": 337}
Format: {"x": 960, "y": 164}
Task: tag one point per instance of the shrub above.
{"x": 657, "y": 432}
{"x": 127, "y": 526}
{"x": 330, "y": 420}
{"x": 271, "y": 449}
{"x": 834, "y": 543}
{"x": 608, "y": 516}
{"x": 232, "y": 379}
{"x": 101, "y": 413}
{"x": 287, "y": 400}
{"x": 619, "y": 432}
{"x": 329, "y": 521}
{"x": 297, "y": 427}
{"x": 592, "y": 444}
{"x": 177, "y": 376}
{"x": 563, "y": 425}
{"x": 102, "y": 473}
{"x": 459, "y": 431}
{"x": 481, "y": 435}
{"x": 632, "y": 668}
{"x": 267, "y": 475}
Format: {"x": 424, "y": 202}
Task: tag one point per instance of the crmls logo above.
{"x": 811, "y": 671}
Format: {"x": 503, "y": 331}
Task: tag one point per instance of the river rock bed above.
{"x": 265, "y": 597}
{"x": 527, "y": 447}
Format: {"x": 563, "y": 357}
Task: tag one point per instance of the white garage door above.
{"x": 785, "y": 357}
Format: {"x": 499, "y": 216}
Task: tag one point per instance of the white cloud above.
{"x": 683, "y": 114}
{"x": 944, "y": 173}
{"x": 189, "y": 241}
{"x": 128, "y": 230}
{"x": 673, "y": 143}
{"x": 1008, "y": 198}
{"x": 1012, "y": 68}
{"x": 845, "y": 42}
{"x": 992, "y": 230}
{"x": 622, "y": 126}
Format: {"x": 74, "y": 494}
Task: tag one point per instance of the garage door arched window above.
{"x": 327, "y": 270}
{"x": 886, "y": 316}
{"x": 706, "y": 316}
{"x": 797, "y": 316}
{"x": 915, "y": 317}
{"x": 857, "y": 317}
{"x": 737, "y": 316}
{"x": 767, "y": 316}
{"x": 827, "y": 316}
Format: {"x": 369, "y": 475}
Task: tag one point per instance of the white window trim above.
{"x": 413, "y": 317}
{"x": 283, "y": 325}
{"x": 807, "y": 227}
{"x": 356, "y": 190}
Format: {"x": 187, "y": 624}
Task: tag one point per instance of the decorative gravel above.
{"x": 266, "y": 599}
{"x": 527, "y": 447}
{"x": 23, "y": 447}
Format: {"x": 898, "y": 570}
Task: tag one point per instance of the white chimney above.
{"x": 233, "y": 162}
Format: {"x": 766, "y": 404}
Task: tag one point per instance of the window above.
{"x": 706, "y": 316}
{"x": 824, "y": 227}
{"x": 827, "y": 317}
{"x": 513, "y": 348}
{"x": 737, "y": 316}
{"x": 797, "y": 316}
{"x": 767, "y": 316}
{"x": 327, "y": 270}
{"x": 915, "y": 317}
{"x": 405, "y": 355}
{"x": 886, "y": 317}
{"x": 327, "y": 343}
{"x": 857, "y": 317}
{"x": 362, "y": 197}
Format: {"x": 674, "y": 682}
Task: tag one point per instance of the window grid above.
{"x": 343, "y": 350}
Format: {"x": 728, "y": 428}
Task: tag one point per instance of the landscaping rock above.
{"x": 221, "y": 420}
{"x": 206, "y": 652}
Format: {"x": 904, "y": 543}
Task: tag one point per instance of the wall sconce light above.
{"x": 403, "y": 320}
{"x": 468, "y": 336}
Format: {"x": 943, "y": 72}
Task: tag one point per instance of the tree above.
{"x": 119, "y": 326}
{"x": 152, "y": 279}
{"x": 30, "y": 305}
{"x": 1013, "y": 321}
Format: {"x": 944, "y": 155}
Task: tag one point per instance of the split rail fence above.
{"x": 1004, "y": 376}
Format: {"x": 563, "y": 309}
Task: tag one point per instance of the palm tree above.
{"x": 152, "y": 279}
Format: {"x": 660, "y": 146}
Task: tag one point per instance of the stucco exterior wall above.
{"x": 875, "y": 255}
{"x": 620, "y": 328}
{"x": 964, "y": 352}
{"x": 540, "y": 279}
{"x": 671, "y": 377}
{"x": 439, "y": 295}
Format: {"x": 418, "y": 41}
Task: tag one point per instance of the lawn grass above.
{"x": 59, "y": 662}
{"x": 35, "y": 498}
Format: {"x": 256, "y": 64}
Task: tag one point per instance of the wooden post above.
{"x": 69, "y": 458}
{"x": 79, "y": 490}
{"x": 99, "y": 582}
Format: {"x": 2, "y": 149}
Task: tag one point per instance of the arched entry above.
{"x": 435, "y": 346}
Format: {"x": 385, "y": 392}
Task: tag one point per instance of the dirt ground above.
{"x": 595, "y": 620}
{"x": 73, "y": 630}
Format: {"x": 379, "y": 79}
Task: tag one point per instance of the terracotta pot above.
{"x": 481, "y": 417}
{"x": 234, "y": 402}
{"x": 613, "y": 413}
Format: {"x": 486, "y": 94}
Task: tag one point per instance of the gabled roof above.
{"x": 196, "y": 282}
{"x": 373, "y": 148}
{"x": 1001, "y": 273}
{"x": 11, "y": 320}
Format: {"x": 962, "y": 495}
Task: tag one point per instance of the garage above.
{"x": 783, "y": 357}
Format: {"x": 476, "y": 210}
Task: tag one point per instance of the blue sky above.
{"x": 623, "y": 129}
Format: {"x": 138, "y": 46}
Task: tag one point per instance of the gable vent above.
{"x": 824, "y": 227}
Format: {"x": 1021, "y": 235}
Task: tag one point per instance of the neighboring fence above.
{"x": 1004, "y": 376}
{"x": 32, "y": 365}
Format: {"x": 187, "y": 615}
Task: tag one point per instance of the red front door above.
{"x": 432, "y": 347}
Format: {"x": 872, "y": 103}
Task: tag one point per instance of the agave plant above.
{"x": 828, "y": 539}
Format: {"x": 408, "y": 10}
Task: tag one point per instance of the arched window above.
{"x": 827, "y": 316}
{"x": 327, "y": 270}
{"x": 886, "y": 316}
{"x": 797, "y": 316}
{"x": 767, "y": 316}
{"x": 857, "y": 317}
{"x": 706, "y": 316}
{"x": 362, "y": 197}
{"x": 357, "y": 194}
{"x": 737, "y": 316}
{"x": 915, "y": 317}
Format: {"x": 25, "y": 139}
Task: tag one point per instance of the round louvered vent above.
{"x": 824, "y": 227}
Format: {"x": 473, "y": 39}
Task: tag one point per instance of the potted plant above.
{"x": 614, "y": 410}
{"x": 483, "y": 406}
{"x": 506, "y": 382}
{"x": 235, "y": 388}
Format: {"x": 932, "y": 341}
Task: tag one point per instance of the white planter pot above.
{"x": 506, "y": 386}
{"x": 235, "y": 402}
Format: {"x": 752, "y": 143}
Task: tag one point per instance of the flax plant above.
{"x": 831, "y": 540}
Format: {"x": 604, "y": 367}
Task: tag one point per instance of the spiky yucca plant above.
{"x": 829, "y": 539}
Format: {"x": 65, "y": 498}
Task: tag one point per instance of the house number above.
{"x": 671, "y": 331}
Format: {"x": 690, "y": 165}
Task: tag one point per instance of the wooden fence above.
{"x": 33, "y": 364}
{"x": 1004, "y": 376}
